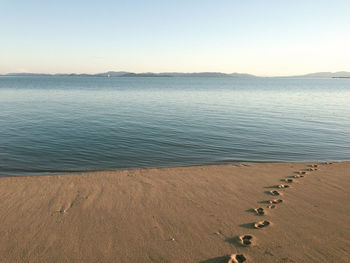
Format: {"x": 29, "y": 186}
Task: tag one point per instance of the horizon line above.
{"x": 173, "y": 72}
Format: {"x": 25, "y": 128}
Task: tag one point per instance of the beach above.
{"x": 185, "y": 214}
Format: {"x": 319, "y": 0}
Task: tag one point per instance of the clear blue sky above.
{"x": 271, "y": 37}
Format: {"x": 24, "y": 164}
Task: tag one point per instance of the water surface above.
{"x": 58, "y": 124}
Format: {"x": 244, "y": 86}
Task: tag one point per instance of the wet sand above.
{"x": 187, "y": 214}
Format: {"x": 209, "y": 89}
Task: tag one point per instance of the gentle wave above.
{"x": 31, "y": 170}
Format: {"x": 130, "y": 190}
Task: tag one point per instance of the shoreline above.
{"x": 180, "y": 214}
{"x": 48, "y": 172}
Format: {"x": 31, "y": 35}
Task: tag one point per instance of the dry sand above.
{"x": 187, "y": 214}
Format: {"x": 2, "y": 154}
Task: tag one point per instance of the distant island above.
{"x": 125, "y": 74}
{"x": 339, "y": 74}
{"x": 114, "y": 74}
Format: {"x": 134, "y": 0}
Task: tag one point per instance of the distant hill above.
{"x": 111, "y": 74}
{"x": 125, "y": 74}
{"x": 27, "y": 74}
{"x": 147, "y": 74}
{"x": 339, "y": 74}
{"x": 210, "y": 75}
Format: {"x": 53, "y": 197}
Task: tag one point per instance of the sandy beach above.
{"x": 187, "y": 214}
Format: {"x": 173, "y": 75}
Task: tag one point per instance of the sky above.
{"x": 261, "y": 37}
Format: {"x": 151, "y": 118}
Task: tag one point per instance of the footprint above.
{"x": 237, "y": 258}
{"x": 283, "y": 186}
{"x": 288, "y": 180}
{"x": 246, "y": 240}
{"x": 314, "y": 165}
{"x": 311, "y": 169}
{"x": 261, "y": 224}
{"x": 276, "y": 201}
{"x": 260, "y": 211}
{"x": 298, "y": 176}
{"x": 271, "y": 206}
{"x": 302, "y": 172}
{"x": 275, "y": 192}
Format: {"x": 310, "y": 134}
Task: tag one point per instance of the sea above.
{"x": 70, "y": 124}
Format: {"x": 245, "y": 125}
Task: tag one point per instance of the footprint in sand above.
{"x": 237, "y": 258}
{"x": 260, "y": 211}
{"x": 275, "y": 192}
{"x": 272, "y": 203}
{"x": 311, "y": 169}
{"x": 302, "y": 172}
{"x": 246, "y": 240}
{"x": 288, "y": 180}
{"x": 262, "y": 224}
{"x": 314, "y": 165}
{"x": 326, "y": 163}
{"x": 298, "y": 176}
{"x": 283, "y": 186}
{"x": 276, "y": 201}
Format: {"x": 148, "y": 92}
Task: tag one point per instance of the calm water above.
{"x": 58, "y": 124}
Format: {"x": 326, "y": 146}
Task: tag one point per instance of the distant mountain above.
{"x": 111, "y": 74}
{"x": 147, "y": 74}
{"x": 339, "y": 74}
{"x": 175, "y": 74}
{"x": 125, "y": 74}
{"x": 242, "y": 75}
{"x": 27, "y": 74}
{"x": 209, "y": 75}
{"x": 47, "y": 75}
